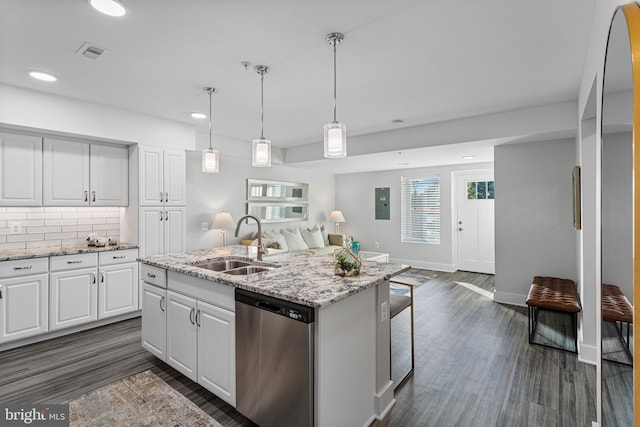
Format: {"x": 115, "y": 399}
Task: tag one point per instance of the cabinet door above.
{"x": 175, "y": 178}
{"x": 154, "y": 320}
{"x": 217, "y": 351}
{"x": 151, "y": 176}
{"x": 118, "y": 289}
{"x": 20, "y": 170}
{"x": 109, "y": 175}
{"x": 182, "y": 337}
{"x": 65, "y": 173}
{"x": 151, "y": 231}
{"x": 175, "y": 230}
{"x": 73, "y": 298}
{"x": 23, "y": 307}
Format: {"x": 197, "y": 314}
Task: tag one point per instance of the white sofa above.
{"x": 315, "y": 240}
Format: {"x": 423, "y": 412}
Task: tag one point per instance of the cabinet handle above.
{"x": 161, "y": 216}
{"x": 95, "y": 279}
{"x": 86, "y": 196}
{"x": 161, "y": 301}
{"x": 166, "y": 197}
{"x": 166, "y": 216}
{"x": 93, "y": 196}
{"x": 24, "y": 267}
{"x": 191, "y": 313}
{"x": 102, "y": 277}
{"x": 77, "y": 261}
{"x": 0, "y": 292}
{"x": 153, "y": 276}
{"x": 198, "y": 313}
{"x": 161, "y": 197}
{"x": 119, "y": 256}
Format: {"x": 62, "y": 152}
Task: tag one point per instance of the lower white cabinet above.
{"x": 117, "y": 289}
{"x": 154, "y": 320}
{"x": 73, "y": 298}
{"x": 23, "y": 306}
{"x": 201, "y": 343}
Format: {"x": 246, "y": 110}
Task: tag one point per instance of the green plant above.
{"x": 344, "y": 264}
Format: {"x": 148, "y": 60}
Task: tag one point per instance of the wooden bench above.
{"x": 553, "y": 294}
{"x": 616, "y": 308}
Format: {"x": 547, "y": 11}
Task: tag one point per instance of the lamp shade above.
{"x": 335, "y": 140}
{"x": 223, "y": 220}
{"x": 261, "y": 153}
{"x": 336, "y": 216}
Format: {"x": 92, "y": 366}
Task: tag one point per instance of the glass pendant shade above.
{"x": 335, "y": 140}
{"x": 261, "y": 153}
{"x": 210, "y": 161}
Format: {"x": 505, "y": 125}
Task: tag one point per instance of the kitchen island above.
{"x": 351, "y": 335}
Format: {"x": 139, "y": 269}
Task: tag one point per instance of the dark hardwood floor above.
{"x": 474, "y": 366}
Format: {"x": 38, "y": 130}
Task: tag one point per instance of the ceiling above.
{"x": 419, "y": 61}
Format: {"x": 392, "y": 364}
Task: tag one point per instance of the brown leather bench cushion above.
{"x": 552, "y": 293}
{"x": 615, "y": 306}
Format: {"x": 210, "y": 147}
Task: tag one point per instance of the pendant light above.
{"x": 261, "y": 147}
{"x": 210, "y": 157}
{"x": 335, "y": 133}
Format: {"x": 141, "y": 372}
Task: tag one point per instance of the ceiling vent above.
{"x": 91, "y": 51}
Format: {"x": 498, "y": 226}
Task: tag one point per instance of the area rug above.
{"x": 139, "y": 400}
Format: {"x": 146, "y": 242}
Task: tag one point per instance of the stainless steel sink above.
{"x": 250, "y": 269}
{"x": 221, "y": 265}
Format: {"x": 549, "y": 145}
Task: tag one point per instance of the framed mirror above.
{"x": 278, "y": 212}
{"x": 620, "y": 219}
{"x": 276, "y": 191}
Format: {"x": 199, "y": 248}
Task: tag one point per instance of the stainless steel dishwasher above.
{"x": 274, "y": 360}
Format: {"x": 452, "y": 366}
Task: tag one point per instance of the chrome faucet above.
{"x": 261, "y": 250}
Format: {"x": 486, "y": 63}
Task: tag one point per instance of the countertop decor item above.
{"x": 210, "y": 157}
{"x": 261, "y": 147}
{"x": 347, "y": 263}
{"x": 335, "y": 133}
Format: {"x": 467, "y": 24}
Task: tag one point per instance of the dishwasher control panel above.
{"x": 293, "y": 311}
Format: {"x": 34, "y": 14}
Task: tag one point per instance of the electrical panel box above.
{"x": 382, "y": 203}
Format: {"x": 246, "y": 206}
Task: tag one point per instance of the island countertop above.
{"x": 301, "y": 277}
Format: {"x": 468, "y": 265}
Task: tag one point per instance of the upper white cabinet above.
{"x": 162, "y": 230}
{"x": 162, "y": 177}
{"x": 109, "y": 170}
{"x": 20, "y": 170}
{"x": 81, "y": 174}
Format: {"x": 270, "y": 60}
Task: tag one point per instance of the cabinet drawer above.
{"x": 154, "y": 275}
{"x": 118, "y": 256}
{"x": 71, "y": 262}
{"x": 214, "y": 293}
{"x": 23, "y": 267}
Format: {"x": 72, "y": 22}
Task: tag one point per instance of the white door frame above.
{"x": 454, "y": 209}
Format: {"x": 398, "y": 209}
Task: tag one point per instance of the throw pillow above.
{"x": 294, "y": 240}
{"x": 312, "y": 237}
{"x": 274, "y": 236}
{"x": 325, "y": 234}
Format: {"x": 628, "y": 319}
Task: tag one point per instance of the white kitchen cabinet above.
{"x": 20, "y": 170}
{"x": 162, "y": 177}
{"x": 154, "y": 320}
{"x": 65, "y": 173}
{"x": 24, "y": 302}
{"x": 83, "y": 174}
{"x": 109, "y": 175}
{"x": 162, "y": 230}
{"x": 117, "y": 289}
{"x": 217, "y": 350}
{"x": 182, "y": 334}
{"x": 73, "y": 297}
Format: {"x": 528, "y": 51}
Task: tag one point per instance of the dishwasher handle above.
{"x": 266, "y": 305}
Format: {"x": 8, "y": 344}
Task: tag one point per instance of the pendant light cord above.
{"x": 210, "y": 125}
{"x": 261, "y": 105}
{"x": 334, "y": 83}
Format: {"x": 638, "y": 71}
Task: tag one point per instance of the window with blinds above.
{"x": 420, "y": 199}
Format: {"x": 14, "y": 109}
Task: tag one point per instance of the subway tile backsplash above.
{"x": 55, "y": 226}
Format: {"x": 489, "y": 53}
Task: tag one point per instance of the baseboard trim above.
{"x": 510, "y": 298}
{"x": 448, "y": 268}
{"x": 587, "y": 353}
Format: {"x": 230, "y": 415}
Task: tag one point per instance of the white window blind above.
{"x": 420, "y": 199}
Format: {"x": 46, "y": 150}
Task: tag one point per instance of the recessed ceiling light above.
{"x": 397, "y": 122}
{"x": 196, "y": 115}
{"x": 45, "y": 77}
{"x": 403, "y": 164}
{"x": 109, "y": 7}
{"x": 468, "y": 157}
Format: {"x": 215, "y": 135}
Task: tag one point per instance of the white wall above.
{"x": 355, "y": 197}
{"x": 39, "y": 110}
{"x": 617, "y": 212}
{"x": 534, "y": 216}
{"x": 208, "y": 194}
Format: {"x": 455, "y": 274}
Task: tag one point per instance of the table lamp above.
{"x": 337, "y": 217}
{"x": 222, "y": 221}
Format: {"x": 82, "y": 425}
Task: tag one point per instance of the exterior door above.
{"x": 475, "y": 226}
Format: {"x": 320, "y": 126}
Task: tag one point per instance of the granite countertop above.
{"x": 302, "y": 277}
{"x": 15, "y": 254}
